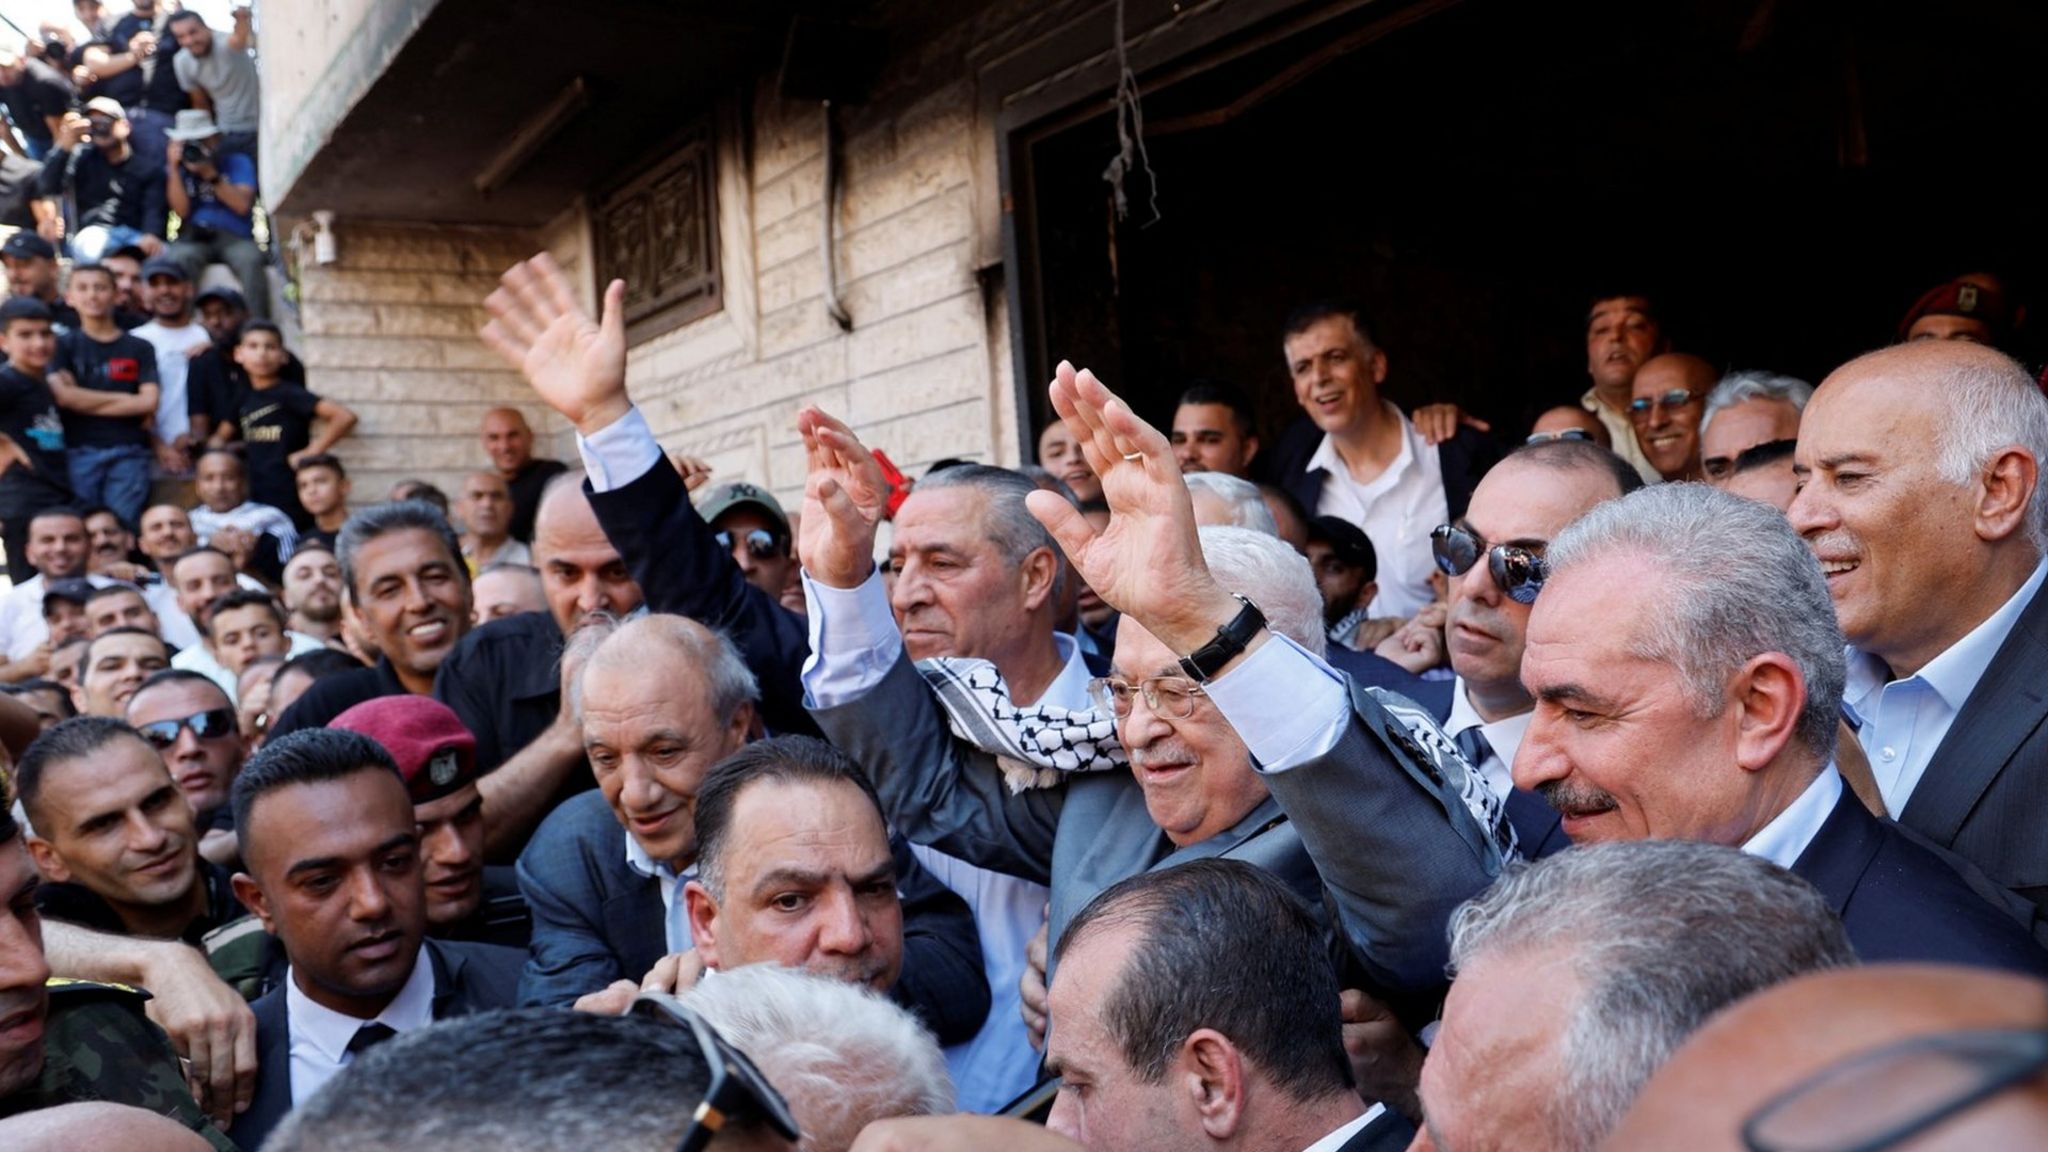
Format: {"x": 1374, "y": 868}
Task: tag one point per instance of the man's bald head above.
{"x": 508, "y": 441}
{"x": 98, "y": 1125}
{"x": 1669, "y": 400}
{"x": 1764, "y": 1045}
{"x": 581, "y": 571}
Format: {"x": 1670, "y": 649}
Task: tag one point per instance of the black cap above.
{"x": 165, "y": 266}
{"x": 26, "y": 245}
{"x": 1348, "y": 543}
{"x": 24, "y": 308}
{"x": 75, "y": 590}
{"x": 227, "y": 296}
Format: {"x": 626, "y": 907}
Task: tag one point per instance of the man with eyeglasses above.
{"x": 1918, "y": 1059}
{"x": 1493, "y": 556}
{"x": 190, "y": 722}
{"x": 749, "y": 522}
{"x": 1669, "y": 394}
{"x": 1747, "y": 434}
{"x": 114, "y": 838}
{"x": 1568, "y": 423}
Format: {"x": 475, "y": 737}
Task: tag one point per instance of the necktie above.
{"x": 369, "y": 1036}
{"x": 1472, "y": 746}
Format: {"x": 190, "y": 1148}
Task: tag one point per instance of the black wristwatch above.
{"x": 1205, "y": 662}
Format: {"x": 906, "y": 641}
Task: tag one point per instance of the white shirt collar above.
{"x": 639, "y": 861}
{"x": 1342, "y": 1136}
{"x": 1503, "y": 735}
{"x": 1328, "y": 460}
{"x": 1069, "y": 689}
{"x": 1954, "y": 674}
{"x": 1783, "y": 839}
{"x": 330, "y": 1031}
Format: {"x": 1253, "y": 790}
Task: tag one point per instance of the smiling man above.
{"x": 1361, "y": 460}
{"x": 1704, "y": 707}
{"x": 347, "y": 898}
{"x": 1668, "y": 396}
{"x": 1921, "y": 494}
{"x": 1622, "y": 333}
{"x": 406, "y": 584}
{"x": 114, "y": 665}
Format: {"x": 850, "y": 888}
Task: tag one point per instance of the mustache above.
{"x": 1566, "y": 798}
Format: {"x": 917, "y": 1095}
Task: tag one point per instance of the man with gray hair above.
{"x": 842, "y": 1056}
{"x": 1921, "y": 495}
{"x": 1582, "y": 973}
{"x": 1747, "y": 434}
{"x": 1704, "y": 707}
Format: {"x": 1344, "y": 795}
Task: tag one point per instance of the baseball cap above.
{"x": 105, "y": 106}
{"x": 26, "y": 245}
{"x": 436, "y": 755}
{"x": 164, "y": 266}
{"x": 227, "y": 296}
{"x": 74, "y": 590}
{"x": 726, "y": 497}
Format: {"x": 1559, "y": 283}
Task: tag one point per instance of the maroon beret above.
{"x": 1960, "y": 298}
{"x": 436, "y": 755}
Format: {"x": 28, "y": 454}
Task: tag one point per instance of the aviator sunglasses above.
{"x": 1517, "y": 571}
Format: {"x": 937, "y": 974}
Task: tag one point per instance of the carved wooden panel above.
{"x": 659, "y": 233}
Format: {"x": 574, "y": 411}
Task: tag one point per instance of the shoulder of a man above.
{"x": 99, "y": 1045}
{"x": 481, "y": 976}
{"x": 581, "y": 828}
{"x": 330, "y": 697}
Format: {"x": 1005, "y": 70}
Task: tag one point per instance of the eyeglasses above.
{"x": 1676, "y": 398}
{"x": 208, "y": 725}
{"x": 1754, "y": 456}
{"x": 1519, "y": 572}
{"x": 1883, "y": 1098}
{"x": 761, "y": 543}
{"x": 1170, "y": 696}
{"x": 736, "y": 1085}
{"x": 1560, "y": 434}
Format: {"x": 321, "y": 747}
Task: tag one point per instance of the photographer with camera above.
{"x": 114, "y": 189}
{"x": 213, "y": 191}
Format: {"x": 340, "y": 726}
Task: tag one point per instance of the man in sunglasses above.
{"x": 749, "y": 522}
{"x": 114, "y": 838}
{"x": 1493, "y": 556}
{"x": 1747, "y": 434}
{"x": 190, "y": 721}
{"x": 1669, "y": 394}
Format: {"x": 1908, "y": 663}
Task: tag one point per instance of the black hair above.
{"x": 1314, "y": 312}
{"x": 1224, "y": 945}
{"x": 419, "y": 491}
{"x": 394, "y": 516}
{"x": 101, "y": 269}
{"x": 231, "y": 451}
{"x": 1223, "y": 392}
{"x": 184, "y": 14}
{"x": 1565, "y": 455}
{"x": 242, "y": 598}
{"x": 55, "y": 512}
{"x": 163, "y": 676}
{"x": 308, "y": 756}
{"x": 784, "y": 759}
{"x": 249, "y": 326}
{"x": 85, "y": 661}
{"x": 24, "y": 308}
{"x": 65, "y": 741}
{"x": 38, "y": 684}
{"x": 318, "y": 664}
{"x": 321, "y": 460}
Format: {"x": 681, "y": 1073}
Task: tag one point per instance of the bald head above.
{"x": 100, "y": 1126}
{"x": 1669, "y": 397}
{"x": 581, "y": 571}
{"x": 507, "y": 440}
{"x": 1766, "y": 1044}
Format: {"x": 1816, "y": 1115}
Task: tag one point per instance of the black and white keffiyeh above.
{"x": 1033, "y": 745}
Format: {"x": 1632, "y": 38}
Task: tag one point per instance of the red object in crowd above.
{"x": 899, "y": 484}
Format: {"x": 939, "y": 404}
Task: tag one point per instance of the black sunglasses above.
{"x": 736, "y": 1085}
{"x": 1882, "y": 1098}
{"x": 1675, "y": 398}
{"x": 761, "y": 543}
{"x": 207, "y": 725}
{"x": 1516, "y": 571}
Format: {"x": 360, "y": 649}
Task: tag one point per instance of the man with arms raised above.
{"x": 1921, "y": 495}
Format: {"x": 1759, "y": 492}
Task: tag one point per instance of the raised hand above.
{"x": 844, "y": 498}
{"x": 1440, "y": 422}
{"x": 576, "y": 364}
{"x": 1147, "y": 561}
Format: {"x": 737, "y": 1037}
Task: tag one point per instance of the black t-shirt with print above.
{"x": 29, "y": 417}
{"x": 123, "y": 364}
{"x": 276, "y": 422}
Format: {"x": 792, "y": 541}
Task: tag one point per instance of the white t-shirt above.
{"x": 173, "y": 360}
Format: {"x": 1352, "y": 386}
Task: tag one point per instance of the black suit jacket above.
{"x": 1986, "y": 788}
{"x": 467, "y": 978}
{"x": 596, "y": 920}
{"x": 1372, "y": 670}
{"x": 1464, "y": 457}
{"x": 1388, "y": 1132}
{"x": 1904, "y": 899}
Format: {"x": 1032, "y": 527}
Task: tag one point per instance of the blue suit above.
{"x": 596, "y": 920}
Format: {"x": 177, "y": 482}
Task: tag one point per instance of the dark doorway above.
{"x": 1787, "y": 176}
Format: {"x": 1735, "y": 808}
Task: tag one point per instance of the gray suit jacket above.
{"x": 1404, "y": 864}
{"x": 1987, "y": 785}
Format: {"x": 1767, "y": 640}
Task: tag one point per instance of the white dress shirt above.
{"x": 1622, "y": 431}
{"x": 320, "y": 1035}
{"x": 675, "y": 915}
{"x": 1342, "y": 1136}
{"x": 1503, "y": 736}
{"x": 854, "y": 643}
{"x": 1397, "y": 509}
{"x": 1900, "y": 723}
{"x": 1789, "y": 832}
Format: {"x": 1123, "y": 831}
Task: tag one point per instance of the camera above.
{"x": 197, "y": 154}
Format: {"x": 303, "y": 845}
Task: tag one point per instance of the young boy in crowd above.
{"x": 33, "y": 475}
{"x": 323, "y": 492}
{"x": 105, "y": 380}
{"x": 275, "y": 422}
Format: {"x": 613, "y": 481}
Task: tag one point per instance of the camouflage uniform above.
{"x": 99, "y": 1045}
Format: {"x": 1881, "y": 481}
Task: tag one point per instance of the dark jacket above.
{"x": 1464, "y": 457}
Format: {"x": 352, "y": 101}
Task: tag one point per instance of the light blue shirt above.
{"x": 1901, "y": 723}
{"x": 1783, "y": 839}
{"x": 675, "y": 915}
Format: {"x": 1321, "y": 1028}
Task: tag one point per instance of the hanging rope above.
{"x": 1130, "y": 133}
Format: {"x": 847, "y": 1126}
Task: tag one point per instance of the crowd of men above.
{"x": 1381, "y": 788}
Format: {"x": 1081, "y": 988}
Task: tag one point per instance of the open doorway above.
{"x": 1786, "y": 175}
